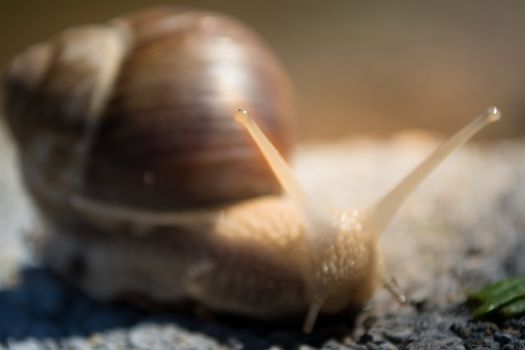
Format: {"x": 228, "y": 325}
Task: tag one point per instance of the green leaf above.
{"x": 503, "y": 299}
{"x": 496, "y": 288}
{"x": 514, "y": 309}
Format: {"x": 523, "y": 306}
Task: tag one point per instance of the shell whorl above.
{"x": 63, "y": 85}
{"x": 137, "y": 111}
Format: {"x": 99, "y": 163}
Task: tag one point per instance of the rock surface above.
{"x": 463, "y": 228}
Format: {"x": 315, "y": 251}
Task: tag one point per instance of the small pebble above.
{"x": 503, "y": 338}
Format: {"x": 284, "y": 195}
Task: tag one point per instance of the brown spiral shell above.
{"x": 138, "y": 111}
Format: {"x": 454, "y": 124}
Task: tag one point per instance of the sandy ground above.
{"x": 463, "y": 228}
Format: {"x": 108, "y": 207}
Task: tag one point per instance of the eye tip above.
{"x": 493, "y": 114}
{"x": 241, "y": 115}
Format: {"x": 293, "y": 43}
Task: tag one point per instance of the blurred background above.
{"x": 358, "y": 67}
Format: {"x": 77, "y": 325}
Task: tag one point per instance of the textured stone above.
{"x": 462, "y": 229}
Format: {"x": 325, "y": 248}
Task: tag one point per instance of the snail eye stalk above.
{"x": 381, "y": 214}
{"x": 315, "y": 218}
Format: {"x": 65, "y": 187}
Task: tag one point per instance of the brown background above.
{"x": 358, "y": 68}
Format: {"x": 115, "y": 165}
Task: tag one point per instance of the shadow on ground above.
{"x": 41, "y": 306}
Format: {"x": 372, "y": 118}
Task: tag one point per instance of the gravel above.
{"x": 462, "y": 229}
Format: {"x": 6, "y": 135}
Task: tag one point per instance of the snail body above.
{"x": 128, "y": 147}
{"x": 234, "y": 263}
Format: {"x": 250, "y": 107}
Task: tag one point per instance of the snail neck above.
{"x": 343, "y": 269}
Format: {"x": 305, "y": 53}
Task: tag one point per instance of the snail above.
{"x": 151, "y": 182}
